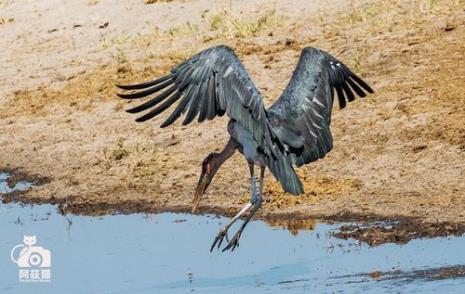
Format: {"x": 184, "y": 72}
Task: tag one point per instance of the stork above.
{"x": 294, "y": 131}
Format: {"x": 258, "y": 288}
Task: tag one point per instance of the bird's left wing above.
{"x": 300, "y": 119}
{"x": 209, "y": 84}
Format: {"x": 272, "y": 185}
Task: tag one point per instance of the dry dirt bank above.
{"x": 399, "y": 154}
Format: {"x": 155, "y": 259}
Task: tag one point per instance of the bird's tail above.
{"x": 282, "y": 170}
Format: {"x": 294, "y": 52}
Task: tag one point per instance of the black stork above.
{"x": 294, "y": 131}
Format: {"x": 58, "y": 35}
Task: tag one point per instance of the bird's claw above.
{"x": 223, "y": 233}
{"x": 233, "y": 243}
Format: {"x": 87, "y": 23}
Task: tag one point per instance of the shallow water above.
{"x": 19, "y": 186}
{"x": 169, "y": 253}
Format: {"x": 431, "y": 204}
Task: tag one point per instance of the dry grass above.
{"x": 365, "y": 12}
{"x": 185, "y": 30}
{"x": 222, "y": 27}
{"x": 229, "y": 26}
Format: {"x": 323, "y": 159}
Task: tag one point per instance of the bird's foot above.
{"x": 234, "y": 242}
{"x": 223, "y": 233}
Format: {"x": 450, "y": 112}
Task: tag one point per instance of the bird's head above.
{"x": 210, "y": 166}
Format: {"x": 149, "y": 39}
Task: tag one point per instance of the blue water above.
{"x": 169, "y": 253}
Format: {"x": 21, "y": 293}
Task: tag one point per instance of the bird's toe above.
{"x": 233, "y": 243}
{"x": 223, "y": 233}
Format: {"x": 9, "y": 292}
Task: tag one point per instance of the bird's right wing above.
{"x": 300, "y": 119}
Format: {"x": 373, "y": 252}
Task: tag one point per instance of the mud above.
{"x": 370, "y": 229}
{"x": 398, "y": 231}
{"x": 16, "y": 175}
{"x": 430, "y": 274}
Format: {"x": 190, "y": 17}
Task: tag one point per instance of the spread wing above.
{"x": 300, "y": 119}
{"x": 210, "y": 84}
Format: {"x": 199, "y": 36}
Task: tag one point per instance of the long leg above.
{"x": 262, "y": 177}
{"x": 257, "y": 203}
{"x": 224, "y": 231}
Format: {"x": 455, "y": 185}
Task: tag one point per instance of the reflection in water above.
{"x": 160, "y": 254}
{"x": 293, "y": 225}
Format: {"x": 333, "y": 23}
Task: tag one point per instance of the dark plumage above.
{"x": 295, "y": 130}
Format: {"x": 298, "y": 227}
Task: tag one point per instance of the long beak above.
{"x": 201, "y": 187}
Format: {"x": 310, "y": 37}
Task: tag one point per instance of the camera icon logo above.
{"x": 27, "y": 255}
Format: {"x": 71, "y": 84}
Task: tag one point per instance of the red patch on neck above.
{"x": 209, "y": 167}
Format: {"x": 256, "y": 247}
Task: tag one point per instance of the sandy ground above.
{"x": 399, "y": 154}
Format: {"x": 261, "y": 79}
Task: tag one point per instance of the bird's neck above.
{"x": 227, "y": 152}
